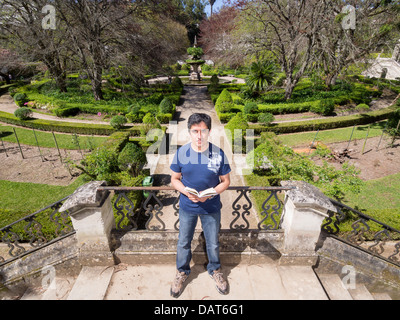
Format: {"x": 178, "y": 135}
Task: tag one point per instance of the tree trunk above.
{"x": 290, "y": 85}
{"x": 97, "y": 83}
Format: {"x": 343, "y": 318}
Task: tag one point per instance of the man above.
{"x": 199, "y": 165}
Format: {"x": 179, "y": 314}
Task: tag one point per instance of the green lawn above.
{"x": 331, "y": 136}
{"x": 25, "y": 198}
{"x": 46, "y": 139}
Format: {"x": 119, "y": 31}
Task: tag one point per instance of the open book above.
{"x": 206, "y": 193}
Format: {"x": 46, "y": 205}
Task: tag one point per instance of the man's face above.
{"x": 199, "y": 134}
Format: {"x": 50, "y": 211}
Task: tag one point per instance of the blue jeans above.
{"x": 187, "y": 225}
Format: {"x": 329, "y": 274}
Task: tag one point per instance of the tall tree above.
{"x": 22, "y": 27}
{"x": 90, "y": 25}
{"x": 351, "y": 33}
{"x": 288, "y": 29}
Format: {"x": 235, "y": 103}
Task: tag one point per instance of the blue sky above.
{"x": 217, "y": 5}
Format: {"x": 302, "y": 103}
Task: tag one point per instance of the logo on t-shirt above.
{"x": 214, "y": 162}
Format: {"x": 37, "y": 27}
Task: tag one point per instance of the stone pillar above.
{"x": 93, "y": 219}
{"x": 304, "y": 210}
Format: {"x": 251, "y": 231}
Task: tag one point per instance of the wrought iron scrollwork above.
{"x": 395, "y": 257}
{"x": 28, "y": 234}
{"x": 357, "y": 235}
{"x": 130, "y": 213}
{"x": 246, "y": 211}
{"x": 380, "y": 240}
{"x": 176, "y": 212}
{"x": 274, "y": 213}
{"x": 34, "y": 230}
{"x": 157, "y": 208}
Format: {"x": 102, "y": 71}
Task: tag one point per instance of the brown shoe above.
{"x": 220, "y": 282}
{"x": 177, "y": 284}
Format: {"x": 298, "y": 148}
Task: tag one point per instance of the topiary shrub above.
{"x": 266, "y": 118}
{"x": 325, "y": 107}
{"x": 224, "y": 102}
{"x": 20, "y": 99}
{"x": 166, "y": 106}
{"x": 176, "y": 83}
{"x": 118, "y": 122}
{"x": 23, "y": 113}
{"x": 250, "y": 111}
{"x": 132, "y": 159}
{"x": 362, "y": 107}
{"x": 238, "y": 122}
{"x": 149, "y": 122}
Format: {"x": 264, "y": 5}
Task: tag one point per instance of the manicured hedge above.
{"x": 327, "y": 123}
{"x": 65, "y": 127}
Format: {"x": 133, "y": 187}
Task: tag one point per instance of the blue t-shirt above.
{"x": 200, "y": 171}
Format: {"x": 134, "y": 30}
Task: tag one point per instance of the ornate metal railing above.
{"x": 159, "y": 210}
{"x": 359, "y": 229}
{"x": 34, "y": 232}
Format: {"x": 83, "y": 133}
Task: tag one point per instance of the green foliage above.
{"x": 176, "y": 83}
{"x": 102, "y": 163}
{"x": 20, "y": 99}
{"x": 224, "y": 102}
{"x": 250, "y": 108}
{"x": 196, "y": 53}
{"x": 66, "y": 111}
{"x": 132, "y": 159}
{"x": 266, "y": 118}
{"x": 362, "y": 107}
{"x": 118, "y": 122}
{"x": 149, "y": 123}
{"x": 393, "y": 123}
{"x": 166, "y": 106}
{"x": 23, "y": 113}
{"x": 324, "y": 107}
{"x": 288, "y": 165}
{"x": 239, "y": 124}
{"x": 261, "y": 75}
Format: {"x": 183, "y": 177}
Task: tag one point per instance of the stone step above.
{"x": 334, "y": 287}
{"x": 246, "y": 282}
{"x": 361, "y": 293}
{"x": 381, "y": 296}
{"x": 92, "y": 283}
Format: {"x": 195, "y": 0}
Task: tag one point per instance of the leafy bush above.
{"x": 166, "y": 106}
{"x": 214, "y": 79}
{"x": 164, "y": 118}
{"x": 238, "y": 122}
{"x": 150, "y": 122}
{"x": 196, "y": 53}
{"x": 250, "y": 111}
{"x": 118, "y": 122}
{"x": 362, "y": 107}
{"x": 285, "y": 164}
{"x": 132, "y": 159}
{"x": 20, "y": 99}
{"x": 23, "y": 113}
{"x": 66, "y": 111}
{"x": 102, "y": 163}
{"x": 176, "y": 83}
{"x": 250, "y": 108}
{"x": 224, "y": 102}
{"x": 266, "y": 118}
{"x": 325, "y": 107}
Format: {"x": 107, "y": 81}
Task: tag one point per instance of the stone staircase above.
{"x": 268, "y": 281}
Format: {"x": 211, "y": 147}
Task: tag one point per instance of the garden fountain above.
{"x": 195, "y": 62}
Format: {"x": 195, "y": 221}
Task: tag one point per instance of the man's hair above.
{"x": 197, "y": 118}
